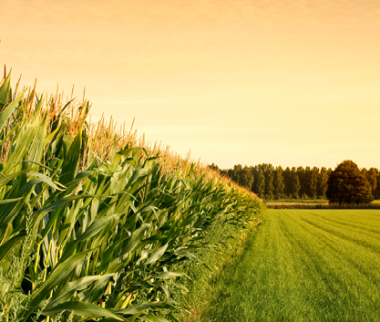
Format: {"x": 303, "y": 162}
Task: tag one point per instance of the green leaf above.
{"x": 58, "y": 275}
{"x": 60, "y": 202}
{"x": 4, "y": 179}
{"x": 5, "y": 91}
{"x": 10, "y": 200}
{"x": 165, "y": 275}
{"x": 80, "y": 284}
{"x": 156, "y": 237}
{"x": 135, "y": 238}
{"x": 70, "y": 163}
{"x": 134, "y": 309}
{"x": 66, "y": 143}
{"x": 152, "y": 318}
{"x": 10, "y": 133}
{"x": 7, "y": 246}
{"x": 157, "y": 254}
{"x": 96, "y": 227}
{"x": 22, "y": 144}
{"x": 46, "y": 179}
{"x": 83, "y": 309}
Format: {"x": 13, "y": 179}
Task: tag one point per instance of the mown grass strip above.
{"x": 225, "y": 244}
{"x": 300, "y": 266}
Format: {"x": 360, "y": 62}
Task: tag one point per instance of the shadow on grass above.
{"x": 203, "y": 299}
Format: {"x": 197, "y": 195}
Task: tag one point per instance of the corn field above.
{"x": 94, "y": 222}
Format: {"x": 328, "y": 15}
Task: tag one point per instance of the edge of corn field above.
{"x": 227, "y": 244}
{"x": 95, "y": 223}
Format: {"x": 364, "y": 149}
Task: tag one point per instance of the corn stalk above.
{"x": 86, "y": 238}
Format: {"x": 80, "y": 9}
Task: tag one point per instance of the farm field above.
{"x": 304, "y": 265}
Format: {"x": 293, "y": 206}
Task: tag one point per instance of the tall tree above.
{"x": 214, "y": 167}
{"x": 322, "y": 183}
{"x": 269, "y": 176}
{"x": 377, "y": 191}
{"x": 287, "y": 175}
{"x": 302, "y": 176}
{"x": 278, "y": 183}
{"x": 313, "y": 182}
{"x": 347, "y": 184}
{"x": 295, "y": 185}
{"x": 246, "y": 178}
{"x": 372, "y": 174}
{"x": 260, "y": 183}
{"x": 236, "y": 173}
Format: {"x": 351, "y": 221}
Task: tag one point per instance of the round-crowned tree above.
{"x": 347, "y": 184}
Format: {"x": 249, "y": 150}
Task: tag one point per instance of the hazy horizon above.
{"x": 242, "y": 82}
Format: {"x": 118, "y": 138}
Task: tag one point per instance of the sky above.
{"x": 291, "y": 83}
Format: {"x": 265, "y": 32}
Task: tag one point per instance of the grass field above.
{"x": 304, "y": 265}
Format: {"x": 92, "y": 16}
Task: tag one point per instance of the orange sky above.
{"x": 284, "y": 82}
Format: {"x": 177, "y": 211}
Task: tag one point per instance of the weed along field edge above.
{"x": 304, "y": 265}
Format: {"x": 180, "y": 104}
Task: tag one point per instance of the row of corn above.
{"x": 97, "y": 233}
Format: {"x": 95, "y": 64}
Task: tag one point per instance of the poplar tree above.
{"x": 295, "y": 185}
{"x": 269, "y": 176}
{"x": 236, "y": 173}
{"x": 322, "y": 182}
{"x": 302, "y": 176}
{"x": 260, "y": 183}
{"x": 246, "y": 178}
{"x": 287, "y": 182}
{"x": 313, "y": 182}
{"x": 278, "y": 183}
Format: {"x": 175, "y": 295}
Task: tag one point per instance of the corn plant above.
{"x": 90, "y": 238}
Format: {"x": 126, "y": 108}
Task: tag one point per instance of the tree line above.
{"x": 270, "y": 182}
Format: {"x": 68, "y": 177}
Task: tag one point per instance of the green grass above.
{"x": 225, "y": 243}
{"x": 304, "y": 265}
